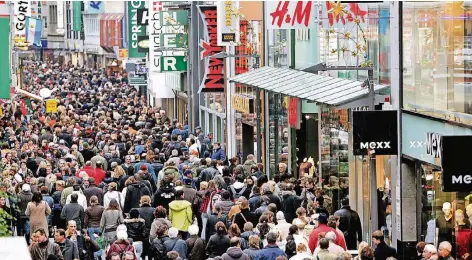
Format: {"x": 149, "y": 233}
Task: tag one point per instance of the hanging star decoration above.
{"x": 337, "y": 10}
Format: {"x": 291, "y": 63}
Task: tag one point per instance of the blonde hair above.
{"x": 301, "y": 247}
{"x": 42, "y": 164}
{"x": 203, "y": 185}
{"x": 145, "y": 200}
{"x": 119, "y": 172}
{"x": 362, "y": 245}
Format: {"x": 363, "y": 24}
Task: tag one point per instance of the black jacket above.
{"x": 93, "y": 190}
{"x": 273, "y": 199}
{"x": 133, "y": 195}
{"x": 32, "y": 165}
{"x": 163, "y": 197}
{"x": 350, "y": 225}
{"x": 195, "y": 248}
{"x": 217, "y": 245}
{"x": 147, "y": 213}
{"x": 86, "y": 248}
{"x": 383, "y": 251}
{"x": 290, "y": 204}
{"x": 135, "y": 228}
{"x": 248, "y": 217}
{"x": 211, "y": 222}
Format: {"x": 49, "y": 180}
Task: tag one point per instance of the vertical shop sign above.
{"x": 60, "y": 17}
{"x": 22, "y": 10}
{"x": 289, "y": 14}
{"x": 135, "y": 29}
{"x": 293, "y": 112}
{"x": 5, "y": 74}
{"x": 213, "y": 79}
{"x": 174, "y": 18}
{"x": 155, "y": 51}
{"x": 77, "y": 16}
{"x": 228, "y": 23}
{"x": 143, "y": 16}
{"x": 456, "y": 171}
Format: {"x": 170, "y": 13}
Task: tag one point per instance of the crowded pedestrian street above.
{"x": 235, "y": 130}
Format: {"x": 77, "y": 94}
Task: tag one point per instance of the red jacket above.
{"x": 89, "y": 170}
{"x": 313, "y": 243}
{"x": 99, "y": 176}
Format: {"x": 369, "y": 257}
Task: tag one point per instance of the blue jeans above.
{"x": 138, "y": 246}
{"x": 91, "y": 231}
{"x": 24, "y": 228}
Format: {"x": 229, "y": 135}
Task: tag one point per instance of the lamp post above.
{"x": 224, "y": 55}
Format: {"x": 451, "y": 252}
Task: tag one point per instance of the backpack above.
{"x": 122, "y": 252}
{"x": 236, "y": 195}
{"x": 158, "y": 249}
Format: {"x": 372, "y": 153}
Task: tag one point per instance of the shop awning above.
{"x": 28, "y": 94}
{"x": 318, "y": 88}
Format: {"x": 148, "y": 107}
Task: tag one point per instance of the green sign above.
{"x": 5, "y": 61}
{"x": 177, "y": 63}
{"x": 135, "y": 30}
{"x": 174, "y": 18}
{"x": 173, "y": 40}
{"x": 77, "y": 14}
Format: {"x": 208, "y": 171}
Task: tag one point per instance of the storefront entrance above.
{"x": 247, "y": 140}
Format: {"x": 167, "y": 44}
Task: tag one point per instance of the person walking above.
{"x": 349, "y": 224}
{"x": 234, "y": 251}
{"x": 382, "y": 250}
{"x": 37, "y": 210}
{"x": 180, "y": 213}
{"x": 271, "y": 250}
{"x": 111, "y": 218}
{"x": 73, "y": 211}
{"x": 44, "y": 249}
{"x": 195, "y": 245}
{"x": 219, "y": 242}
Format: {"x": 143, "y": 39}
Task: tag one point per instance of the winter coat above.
{"x": 110, "y": 220}
{"x": 290, "y": 204}
{"x": 154, "y": 246}
{"x": 93, "y": 190}
{"x": 147, "y": 213}
{"x": 270, "y": 252}
{"x": 273, "y": 199}
{"x": 248, "y": 217}
{"x": 252, "y": 252}
{"x": 133, "y": 195}
{"x": 211, "y": 222}
{"x": 163, "y": 197}
{"x": 239, "y": 189}
{"x": 41, "y": 251}
{"x": 225, "y": 205}
{"x": 37, "y": 214}
{"x": 383, "y": 251}
{"x": 208, "y": 174}
{"x": 235, "y": 253}
{"x": 189, "y": 194}
{"x": 247, "y": 167}
{"x": 155, "y": 224}
{"x": 195, "y": 248}
{"x": 350, "y": 225}
{"x": 113, "y": 195}
{"x": 219, "y": 155}
{"x": 23, "y": 199}
{"x": 171, "y": 171}
{"x": 178, "y": 245}
{"x": 70, "y": 250}
{"x": 136, "y": 228}
{"x": 180, "y": 214}
{"x": 73, "y": 211}
{"x": 93, "y": 215}
{"x": 217, "y": 245}
{"x": 121, "y": 246}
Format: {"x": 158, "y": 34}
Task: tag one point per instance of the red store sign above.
{"x": 293, "y": 112}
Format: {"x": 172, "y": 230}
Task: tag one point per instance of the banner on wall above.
{"x": 213, "y": 78}
{"x": 60, "y": 17}
{"x": 375, "y": 132}
{"x": 33, "y": 32}
{"x": 76, "y": 16}
{"x": 289, "y": 14}
{"x": 135, "y": 30}
{"x": 228, "y": 23}
{"x": 5, "y": 75}
{"x": 456, "y": 171}
{"x": 22, "y": 10}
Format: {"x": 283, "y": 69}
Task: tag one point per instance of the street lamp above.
{"x": 224, "y": 55}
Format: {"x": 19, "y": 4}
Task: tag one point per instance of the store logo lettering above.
{"x": 375, "y": 145}
{"x": 417, "y": 144}
{"x": 467, "y": 179}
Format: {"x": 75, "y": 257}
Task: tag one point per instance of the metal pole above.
{"x": 258, "y": 120}
{"x": 374, "y": 214}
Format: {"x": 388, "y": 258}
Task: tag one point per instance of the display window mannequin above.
{"x": 445, "y": 225}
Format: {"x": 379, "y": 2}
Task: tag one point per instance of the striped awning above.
{"x": 304, "y": 85}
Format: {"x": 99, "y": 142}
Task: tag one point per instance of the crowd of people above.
{"x": 109, "y": 177}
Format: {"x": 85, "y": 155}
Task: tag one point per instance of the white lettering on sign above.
{"x": 462, "y": 179}
{"x": 375, "y": 145}
{"x": 417, "y": 144}
{"x": 170, "y": 40}
{"x": 155, "y": 50}
{"x": 433, "y": 145}
{"x": 170, "y": 62}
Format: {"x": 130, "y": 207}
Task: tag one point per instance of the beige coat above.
{"x": 37, "y": 214}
